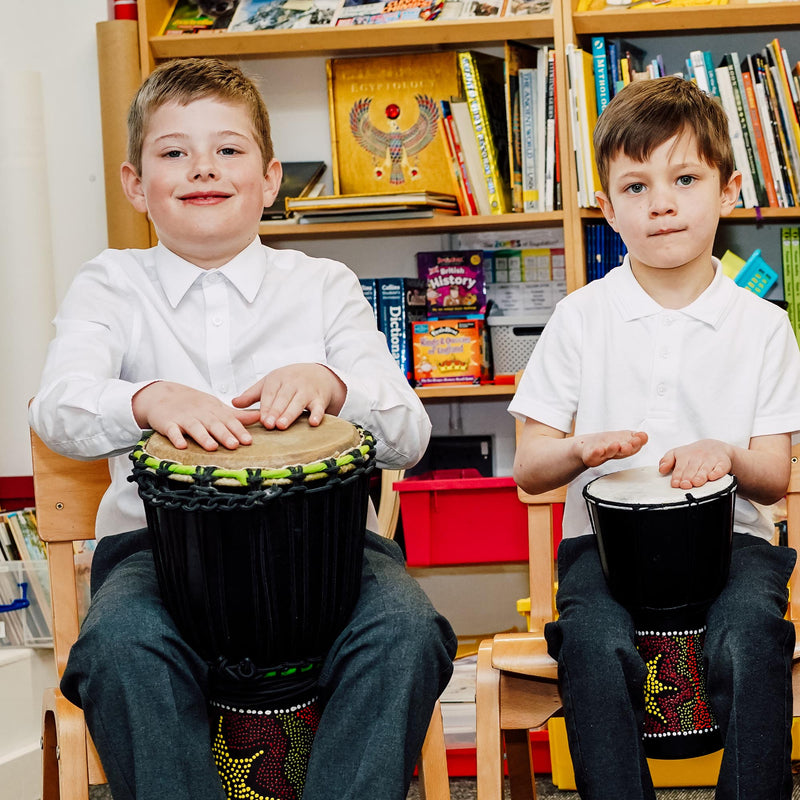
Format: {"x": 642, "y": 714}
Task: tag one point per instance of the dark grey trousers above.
{"x": 143, "y": 689}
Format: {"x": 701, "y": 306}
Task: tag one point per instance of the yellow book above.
{"x": 384, "y": 116}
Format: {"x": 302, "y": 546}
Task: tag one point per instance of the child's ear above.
{"x": 272, "y": 181}
{"x": 607, "y": 209}
{"x": 730, "y": 194}
{"x": 132, "y": 186}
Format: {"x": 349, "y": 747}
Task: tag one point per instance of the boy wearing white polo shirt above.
{"x": 667, "y": 362}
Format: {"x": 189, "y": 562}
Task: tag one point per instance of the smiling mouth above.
{"x": 202, "y": 198}
{"x": 667, "y": 231}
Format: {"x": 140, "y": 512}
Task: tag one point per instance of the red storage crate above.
{"x": 456, "y": 516}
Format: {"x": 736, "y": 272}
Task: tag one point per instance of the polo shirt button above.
{"x": 216, "y": 321}
{"x": 661, "y": 389}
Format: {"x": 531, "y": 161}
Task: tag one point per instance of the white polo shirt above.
{"x": 725, "y": 367}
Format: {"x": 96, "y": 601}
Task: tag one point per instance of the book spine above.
{"x": 480, "y": 123}
{"x": 393, "y": 322}
{"x": 600, "y": 73}
{"x": 788, "y": 278}
{"x": 713, "y": 86}
{"x": 780, "y": 132}
{"x": 572, "y": 72}
{"x": 527, "y": 103}
{"x": 786, "y": 103}
{"x": 698, "y": 66}
{"x": 758, "y": 138}
{"x": 552, "y": 177}
{"x": 458, "y": 191}
{"x": 794, "y": 236}
{"x": 765, "y": 114}
{"x": 370, "y": 289}
{"x": 737, "y": 140}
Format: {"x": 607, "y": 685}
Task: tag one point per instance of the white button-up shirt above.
{"x": 725, "y": 367}
{"x": 135, "y": 316}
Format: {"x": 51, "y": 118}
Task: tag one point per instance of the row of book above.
{"x": 790, "y": 263}
{"x": 191, "y": 16}
{"x": 24, "y": 583}
{"x": 603, "y": 249}
{"x": 478, "y": 126}
{"x": 760, "y": 93}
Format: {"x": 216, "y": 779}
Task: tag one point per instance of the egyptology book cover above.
{"x": 384, "y": 113}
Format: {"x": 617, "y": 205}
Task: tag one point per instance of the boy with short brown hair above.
{"x": 665, "y": 361}
{"x": 206, "y": 333}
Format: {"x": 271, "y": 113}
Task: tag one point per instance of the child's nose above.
{"x": 662, "y": 201}
{"x": 202, "y": 167}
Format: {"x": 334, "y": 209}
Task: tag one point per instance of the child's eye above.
{"x": 686, "y": 180}
{"x": 228, "y": 151}
{"x": 173, "y": 154}
{"x": 635, "y": 188}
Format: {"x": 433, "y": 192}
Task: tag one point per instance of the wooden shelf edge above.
{"x": 618, "y": 20}
{"x": 364, "y": 39}
{"x": 401, "y": 227}
{"x": 456, "y": 392}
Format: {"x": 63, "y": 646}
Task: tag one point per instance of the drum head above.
{"x": 646, "y": 486}
{"x": 299, "y": 444}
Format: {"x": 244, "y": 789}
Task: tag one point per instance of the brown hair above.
{"x": 185, "y": 80}
{"x": 647, "y": 113}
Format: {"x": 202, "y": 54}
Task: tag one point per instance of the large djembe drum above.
{"x": 258, "y": 553}
{"x": 665, "y": 553}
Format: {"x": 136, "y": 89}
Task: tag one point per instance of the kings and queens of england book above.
{"x": 384, "y": 115}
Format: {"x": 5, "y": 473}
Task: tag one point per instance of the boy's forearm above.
{"x": 544, "y": 462}
{"x": 762, "y": 470}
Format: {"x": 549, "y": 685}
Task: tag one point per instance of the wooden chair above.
{"x": 517, "y": 686}
{"x": 68, "y": 493}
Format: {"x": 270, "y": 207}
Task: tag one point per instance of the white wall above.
{"x": 68, "y": 227}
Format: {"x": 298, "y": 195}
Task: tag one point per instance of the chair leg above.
{"x": 522, "y": 780}
{"x": 65, "y": 773}
{"x": 489, "y": 750}
{"x": 434, "y": 783}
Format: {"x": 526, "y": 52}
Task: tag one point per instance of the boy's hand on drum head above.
{"x": 286, "y": 392}
{"x": 594, "y": 449}
{"x": 697, "y": 463}
{"x": 174, "y": 410}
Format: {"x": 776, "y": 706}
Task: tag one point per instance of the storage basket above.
{"x": 513, "y": 340}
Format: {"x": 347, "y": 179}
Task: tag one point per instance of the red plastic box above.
{"x": 458, "y": 517}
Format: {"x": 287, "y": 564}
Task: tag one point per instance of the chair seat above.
{"x": 523, "y": 654}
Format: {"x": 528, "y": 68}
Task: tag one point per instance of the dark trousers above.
{"x": 748, "y": 659}
{"x": 143, "y": 689}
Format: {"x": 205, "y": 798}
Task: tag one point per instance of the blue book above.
{"x": 370, "y": 288}
{"x": 601, "y": 75}
{"x": 393, "y": 322}
{"x": 612, "y": 58}
{"x": 712, "y": 75}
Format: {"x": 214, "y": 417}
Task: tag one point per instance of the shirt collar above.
{"x": 633, "y": 302}
{"x": 245, "y": 271}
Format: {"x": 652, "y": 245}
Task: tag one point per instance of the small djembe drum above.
{"x": 258, "y": 553}
{"x": 665, "y": 553}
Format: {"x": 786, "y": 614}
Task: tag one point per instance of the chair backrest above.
{"x": 67, "y": 495}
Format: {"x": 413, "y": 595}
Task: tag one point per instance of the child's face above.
{"x": 666, "y": 209}
{"x": 202, "y": 183}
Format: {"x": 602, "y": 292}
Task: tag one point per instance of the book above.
{"x": 401, "y": 301}
{"x": 449, "y": 351}
{"x": 529, "y": 125}
{"x": 299, "y": 179}
{"x": 355, "y": 12}
{"x": 370, "y": 288}
{"x": 454, "y": 142}
{"x": 376, "y": 200}
{"x": 483, "y": 83}
{"x": 483, "y": 8}
{"x": 459, "y": 190}
{"x": 790, "y": 270}
{"x": 551, "y": 156}
{"x": 454, "y": 282}
{"x": 601, "y": 76}
{"x": 783, "y": 89}
{"x": 462, "y": 124}
{"x": 370, "y": 215}
{"x": 723, "y": 80}
{"x": 384, "y": 118}
{"x": 259, "y": 15}
{"x": 186, "y": 17}
{"x": 517, "y": 58}
{"x": 519, "y": 8}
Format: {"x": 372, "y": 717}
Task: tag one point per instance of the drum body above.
{"x": 665, "y": 553}
{"x": 258, "y": 553}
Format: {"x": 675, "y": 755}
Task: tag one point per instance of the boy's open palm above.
{"x": 175, "y": 410}
{"x": 286, "y": 392}
{"x": 697, "y": 463}
{"x": 594, "y": 449}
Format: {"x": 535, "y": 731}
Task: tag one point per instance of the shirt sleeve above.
{"x": 83, "y": 408}
{"x": 379, "y": 397}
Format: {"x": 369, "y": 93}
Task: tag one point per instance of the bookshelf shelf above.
{"x": 461, "y": 392}
{"x": 360, "y": 39}
{"x": 663, "y": 19}
{"x": 442, "y": 224}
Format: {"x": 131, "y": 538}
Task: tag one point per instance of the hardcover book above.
{"x": 258, "y": 15}
{"x": 186, "y": 17}
{"x": 400, "y": 302}
{"x": 355, "y": 12}
{"x": 299, "y": 179}
{"x": 384, "y": 116}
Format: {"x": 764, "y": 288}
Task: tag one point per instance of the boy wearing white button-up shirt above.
{"x": 200, "y": 336}
{"x": 667, "y": 362}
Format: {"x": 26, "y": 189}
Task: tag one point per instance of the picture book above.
{"x": 186, "y": 17}
{"x": 357, "y": 12}
{"x": 449, "y": 351}
{"x": 454, "y": 282}
{"x": 370, "y": 201}
{"x": 258, "y": 15}
{"x": 384, "y": 116}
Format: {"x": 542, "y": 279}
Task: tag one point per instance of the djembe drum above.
{"x": 258, "y": 554}
{"x": 665, "y": 553}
